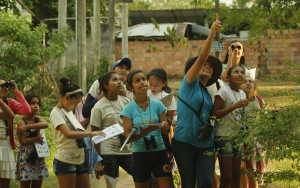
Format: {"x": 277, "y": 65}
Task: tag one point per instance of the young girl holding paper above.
{"x": 106, "y": 113}
{"x": 68, "y": 164}
{"x": 31, "y": 174}
{"x": 148, "y": 152}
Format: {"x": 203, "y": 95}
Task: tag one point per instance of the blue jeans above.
{"x": 193, "y": 163}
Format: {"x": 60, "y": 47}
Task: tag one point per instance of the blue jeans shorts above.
{"x": 62, "y": 168}
{"x": 143, "y": 163}
{"x": 227, "y": 148}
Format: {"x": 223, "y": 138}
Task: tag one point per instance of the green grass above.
{"x": 50, "y": 182}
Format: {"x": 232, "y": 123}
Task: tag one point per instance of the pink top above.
{"x": 21, "y": 108}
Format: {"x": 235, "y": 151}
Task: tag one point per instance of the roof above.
{"x": 169, "y": 16}
{"x": 25, "y": 7}
{"x": 149, "y": 30}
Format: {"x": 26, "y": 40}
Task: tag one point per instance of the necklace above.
{"x": 235, "y": 96}
{"x": 116, "y": 111}
{"x": 146, "y": 110}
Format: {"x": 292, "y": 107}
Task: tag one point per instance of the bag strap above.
{"x": 198, "y": 114}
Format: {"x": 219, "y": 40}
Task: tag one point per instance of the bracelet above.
{"x": 98, "y": 97}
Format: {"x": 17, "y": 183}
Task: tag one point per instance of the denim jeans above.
{"x": 193, "y": 163}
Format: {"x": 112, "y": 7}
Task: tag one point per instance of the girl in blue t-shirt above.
{"x": 148, "y": 152}
{"x": 193, "y": 109}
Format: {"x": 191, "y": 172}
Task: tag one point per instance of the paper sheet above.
{"x": 251, "y": 73}
{"x": 77, "y": 126}
{"x": 167, "y": 100}
{"x": 111, "y": 131}
{"x": 42, "y": 150}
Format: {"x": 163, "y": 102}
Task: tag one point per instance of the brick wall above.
{"x": 264, "y": 55}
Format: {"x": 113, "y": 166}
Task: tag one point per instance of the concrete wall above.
{"x": 71, "y": 50}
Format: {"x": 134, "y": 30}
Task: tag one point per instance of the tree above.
{"x": 262, "y": 16}
{"x": 9, "y": 5}
{"x": 44, "y": 9}
{"x": 23, "y": 57}
{"x": 169, "y": 4}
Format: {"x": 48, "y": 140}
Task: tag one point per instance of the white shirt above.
{"x": 158, "y": 96}
{"x": 230, "y": 97}
{"x": 213, "y": 89}
{"x": 95, "y": 91}
{"x": 105, "y": 114}
{"x": 3, "y": 129}
{"x": 67, "y": 150}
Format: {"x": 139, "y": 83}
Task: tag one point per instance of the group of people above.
{"x": 209, "y": 89}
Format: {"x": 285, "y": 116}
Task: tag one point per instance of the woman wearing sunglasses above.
{"x": 234, "y": 56}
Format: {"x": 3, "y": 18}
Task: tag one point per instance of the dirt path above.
{"x": 125, "y": 180}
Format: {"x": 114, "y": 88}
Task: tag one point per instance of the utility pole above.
{"x": 96, "y": 32}
{"x": 218, "y": 33}
{"x": 124, "y": 30}
{"x": 62, "y": 22}
{"x": 111, "y": 20}
{"x": 81, "y": 42}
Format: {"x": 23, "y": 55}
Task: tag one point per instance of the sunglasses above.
{"x": 234, "y": 47}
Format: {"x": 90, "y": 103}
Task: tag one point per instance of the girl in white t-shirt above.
{"x": 229, "y": 101}
{"x": 106, "y": 113}
{"x": 158, "y": 88}
{"x": 68, "y": 164}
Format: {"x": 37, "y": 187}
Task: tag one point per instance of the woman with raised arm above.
{"x": 234, "y": 56}
{"x": 7, "y": 136}
{"x": 190, "y": 154}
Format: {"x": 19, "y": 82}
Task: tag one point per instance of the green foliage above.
{"x": 262, "y": 16}
{"x": 169, "y": 4}
{"x": 44, "y": 9}
{"x": 176, "y": 179}
{"x": 9, "y": 5}
{"x": 23, "y": 56}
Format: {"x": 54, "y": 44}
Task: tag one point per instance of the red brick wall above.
{"x": 264, "y": 54}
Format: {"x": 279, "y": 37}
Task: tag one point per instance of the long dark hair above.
{"x": 104, "y": 80}
{"x": 162, "y": 75}
{"x": 242, "y": 61}
{"x": 6, "y": 121}
{"x": 129, "y": 78}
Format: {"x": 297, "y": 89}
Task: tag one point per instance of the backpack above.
{"x": 78, "y": 114}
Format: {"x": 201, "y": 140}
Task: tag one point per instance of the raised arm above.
{"x": 194, "y": 71}
{"x": 21, "y": 108}
{"x": 7, "y": 113}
